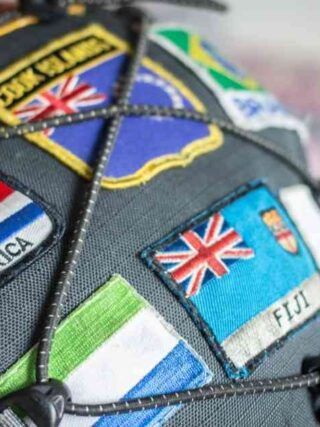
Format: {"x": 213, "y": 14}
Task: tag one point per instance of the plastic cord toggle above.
{"x": 44, "y": 404}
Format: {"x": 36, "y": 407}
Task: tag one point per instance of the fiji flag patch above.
{"x": 27, "y": 228}
{"x": 244, "y": 274}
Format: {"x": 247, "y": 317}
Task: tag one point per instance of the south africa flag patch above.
{"x": 244, "y": 100}
{"x": 80, "y": 71}
{"x": 28, "y": 227}
{"x": 244, "y": 274}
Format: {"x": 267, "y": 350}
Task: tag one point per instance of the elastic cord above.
{"x": 82, "y": 225}
{"x": 202, "y": 4}
{"x": 208, "y": 392}
{"x": 115, "y": 115}
{"x": 151, "y": 111}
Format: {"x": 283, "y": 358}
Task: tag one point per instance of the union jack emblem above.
{"x": 203, "y": 252}
{"x": 66, "y": 98}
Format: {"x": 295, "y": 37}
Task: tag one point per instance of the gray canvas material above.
{"x": 126, "y": 221}
{"x": 9, "y": 419}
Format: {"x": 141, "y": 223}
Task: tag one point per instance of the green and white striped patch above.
{"x": 114, "y": 346}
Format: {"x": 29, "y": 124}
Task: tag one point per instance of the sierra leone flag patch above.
{"x": 116, "y": 346}
{"x": 28, "y": 227}
{"x": 244, "y": 274}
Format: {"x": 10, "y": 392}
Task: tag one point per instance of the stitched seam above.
{"x": 152, "y": 168}
{"x": 58, "y": 228}
{"x": 147, "y": 256}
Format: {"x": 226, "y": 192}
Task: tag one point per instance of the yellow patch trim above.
{"x": 77, "y": 9}
{"x": 200, "y": 55}
{"x": 25, "y": 21}
{"x": 17, "y": 24}
{"x": 196, "y": 148}
{"x": 160, "y": 164}
{"x": 58, "y": 45}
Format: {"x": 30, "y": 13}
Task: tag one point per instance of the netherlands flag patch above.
{"x": 26, "y": 229}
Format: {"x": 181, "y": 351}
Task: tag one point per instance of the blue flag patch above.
{"x": 28, "y": 228}
{"x": 80, "y": 71}
{"x": 244, "y": 274}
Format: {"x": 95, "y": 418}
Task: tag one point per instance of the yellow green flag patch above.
{"x": 244, "y": 100}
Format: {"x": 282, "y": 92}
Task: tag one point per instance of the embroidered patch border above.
{"x": 17, "y": 24}
{"x": 252, "y": 96}
{"x": 25, "y": 21}
{"x": 35, "y": 254}
{"x": 113, "y": 325}
{"x": 118, "y": 47}
{"x": 147, "y": 255}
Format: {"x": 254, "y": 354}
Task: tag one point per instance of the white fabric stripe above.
{"x": 34, "y": 233}
{"x": 12, "y": 204}
{"x": 284, "y": 120}
{"x": 267, "y": 117}
{"x": 274, "y": 323}
{"x": 121, "y": 362}
{"x": 305, "y": 212}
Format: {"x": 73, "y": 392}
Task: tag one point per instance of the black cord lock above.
{"x": 44, "y": 403}
{"x": 310, "y": 365}
{"x": 45, "y": 10}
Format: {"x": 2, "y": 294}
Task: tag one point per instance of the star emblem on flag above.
{"x": 203, "y": 252}
{"x": 68, "y": 97}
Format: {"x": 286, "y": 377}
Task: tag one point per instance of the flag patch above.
{"x": 244, "y": 274}
{"x": 27, "y": 228}
{"x": 244, "y": 100}
{"x": 80, "y": 71}
{"x": 305, "y": 212}
{"x": 96, "y": 348}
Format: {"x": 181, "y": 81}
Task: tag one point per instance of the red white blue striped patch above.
{"x": 25, "y": 228}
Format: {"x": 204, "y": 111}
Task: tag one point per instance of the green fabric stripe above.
{"x": 179, "y": 38}
{"x": 80, "y": 334}
{"x": 227, "y": 82}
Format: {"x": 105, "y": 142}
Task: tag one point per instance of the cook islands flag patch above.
{"x": 244, "y": 274}
{"x": 244, "y": 100}
{"x": 80, "y": 71}
{"x": 27, "y": 228}
{"x": 116, "y": 346}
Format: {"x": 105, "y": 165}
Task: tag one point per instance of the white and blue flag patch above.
{"x": 26, "y": 228}
{"x": 244, "y": 274}
{"x": 115, "y": 346}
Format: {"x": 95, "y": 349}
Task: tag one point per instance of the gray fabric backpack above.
{"x": 159, "y": 231}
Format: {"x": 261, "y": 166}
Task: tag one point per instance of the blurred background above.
{"x": 278, "y": 42}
